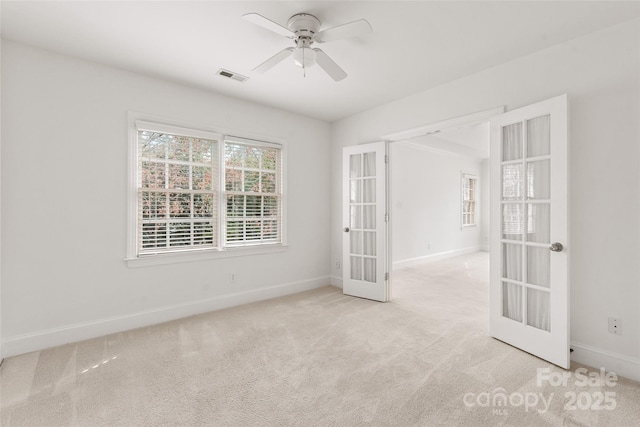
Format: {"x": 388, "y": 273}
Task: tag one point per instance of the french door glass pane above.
{"x": 512, "y": 177}
{"x": 369, "y": 217}
{"x": 370, "y": 243}
{"x": 355, "y": 216}
{"x": 370, "y": 270}
{"x": 512, "y": 221}
{"x": 512, "y": 142}
{"x": 538, "y": 136}
{"x": 512, "y": 301}
{"x": 356, "y": 268}
{"x": 538, "y": 266}
{"x": 512, "y": 261}
{"x": 355, "y": 193}
{"x": 369, "y": 164}
{"x": 538, "y": 180}
{"x": 369, "y": 193}
{"x": 538, "y": 222}
{"x": 538, "y": 307}
{"x": 356, "y": 242}
{"x": 355, "y": 166}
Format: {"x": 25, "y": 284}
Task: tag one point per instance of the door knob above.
{"x": 346, "y": 229}
{"x": 556, "y": 247}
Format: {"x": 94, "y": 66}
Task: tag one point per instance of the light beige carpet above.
{"x": 318, "y": 358}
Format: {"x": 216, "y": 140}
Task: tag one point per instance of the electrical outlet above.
{"x": 337, "y": 263}
{"x": 233, "y": 277}
{"x": 615, "y": 326}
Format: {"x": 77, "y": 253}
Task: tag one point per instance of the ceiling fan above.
{"x": 304, "y": 30}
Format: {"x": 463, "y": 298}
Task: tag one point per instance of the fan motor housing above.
{"x": 304, "y": 25}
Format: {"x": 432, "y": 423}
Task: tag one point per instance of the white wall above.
{"x": 601, "y": 73}
{"x": 425, "y": 204}
{"x": 64, "y": 193}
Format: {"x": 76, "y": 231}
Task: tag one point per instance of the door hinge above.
{"x": 386, "y": 217}
{"x": 386, "y": 276}
{"x": 386, "y": 158}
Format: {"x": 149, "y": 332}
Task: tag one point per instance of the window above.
{"x": 176, "y": 192}
{"x": 199, "y": 191}
{"x": 469, "y": 199}
{"x": 252, "y": 183}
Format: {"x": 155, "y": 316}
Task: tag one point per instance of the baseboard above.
{"x": 336, "y": 281}
{"x": 623, "y": 366}
{"x": 40, "y": 340}
{"x": 433, "y": 257}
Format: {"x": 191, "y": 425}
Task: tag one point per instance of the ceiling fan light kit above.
{"x": 304, "y": 57}
{"x": 304, "y": 30}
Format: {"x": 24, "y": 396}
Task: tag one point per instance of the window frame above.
{"x": 464, "y": 177}
{"x": 138, "y": 120}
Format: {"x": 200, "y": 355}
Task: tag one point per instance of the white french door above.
{"x": 529, "y": 290}
{"x": 364, "y": 248}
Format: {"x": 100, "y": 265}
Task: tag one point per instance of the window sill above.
{"x": 204, "y": 255}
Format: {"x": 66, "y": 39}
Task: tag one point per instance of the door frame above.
{"x": 445, "y": 125}
{"x": 483, "y": 116}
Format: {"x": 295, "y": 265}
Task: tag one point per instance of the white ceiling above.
{"x": 415, "y": 45}
{"x": 470, "y": 140}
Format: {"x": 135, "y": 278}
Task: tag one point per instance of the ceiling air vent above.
{"x": 231, "y": 75}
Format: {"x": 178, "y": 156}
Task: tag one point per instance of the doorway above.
{"x": 440, "y": 224}
{"x": 439, "y": 191}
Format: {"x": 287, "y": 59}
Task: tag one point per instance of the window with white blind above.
{"x": 177, "y": 192}
{"x": 469, "y": 200}
{"x": 252, "y": 190}
{"x": 202, "y": 192}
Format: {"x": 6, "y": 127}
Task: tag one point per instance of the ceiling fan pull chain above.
{"x": 304, "y": 68}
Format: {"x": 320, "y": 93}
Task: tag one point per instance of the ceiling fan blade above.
{"x": 268, "y": 24}
{"x": 330, "y": 67}
{"x": 344, "y": 31}
{"x": 274, "y": 60}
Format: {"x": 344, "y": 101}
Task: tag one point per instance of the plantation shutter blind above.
{"x": 178, "y": 182}
{"x": 469, "y": 197}
{"x": 253, "y": 192}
